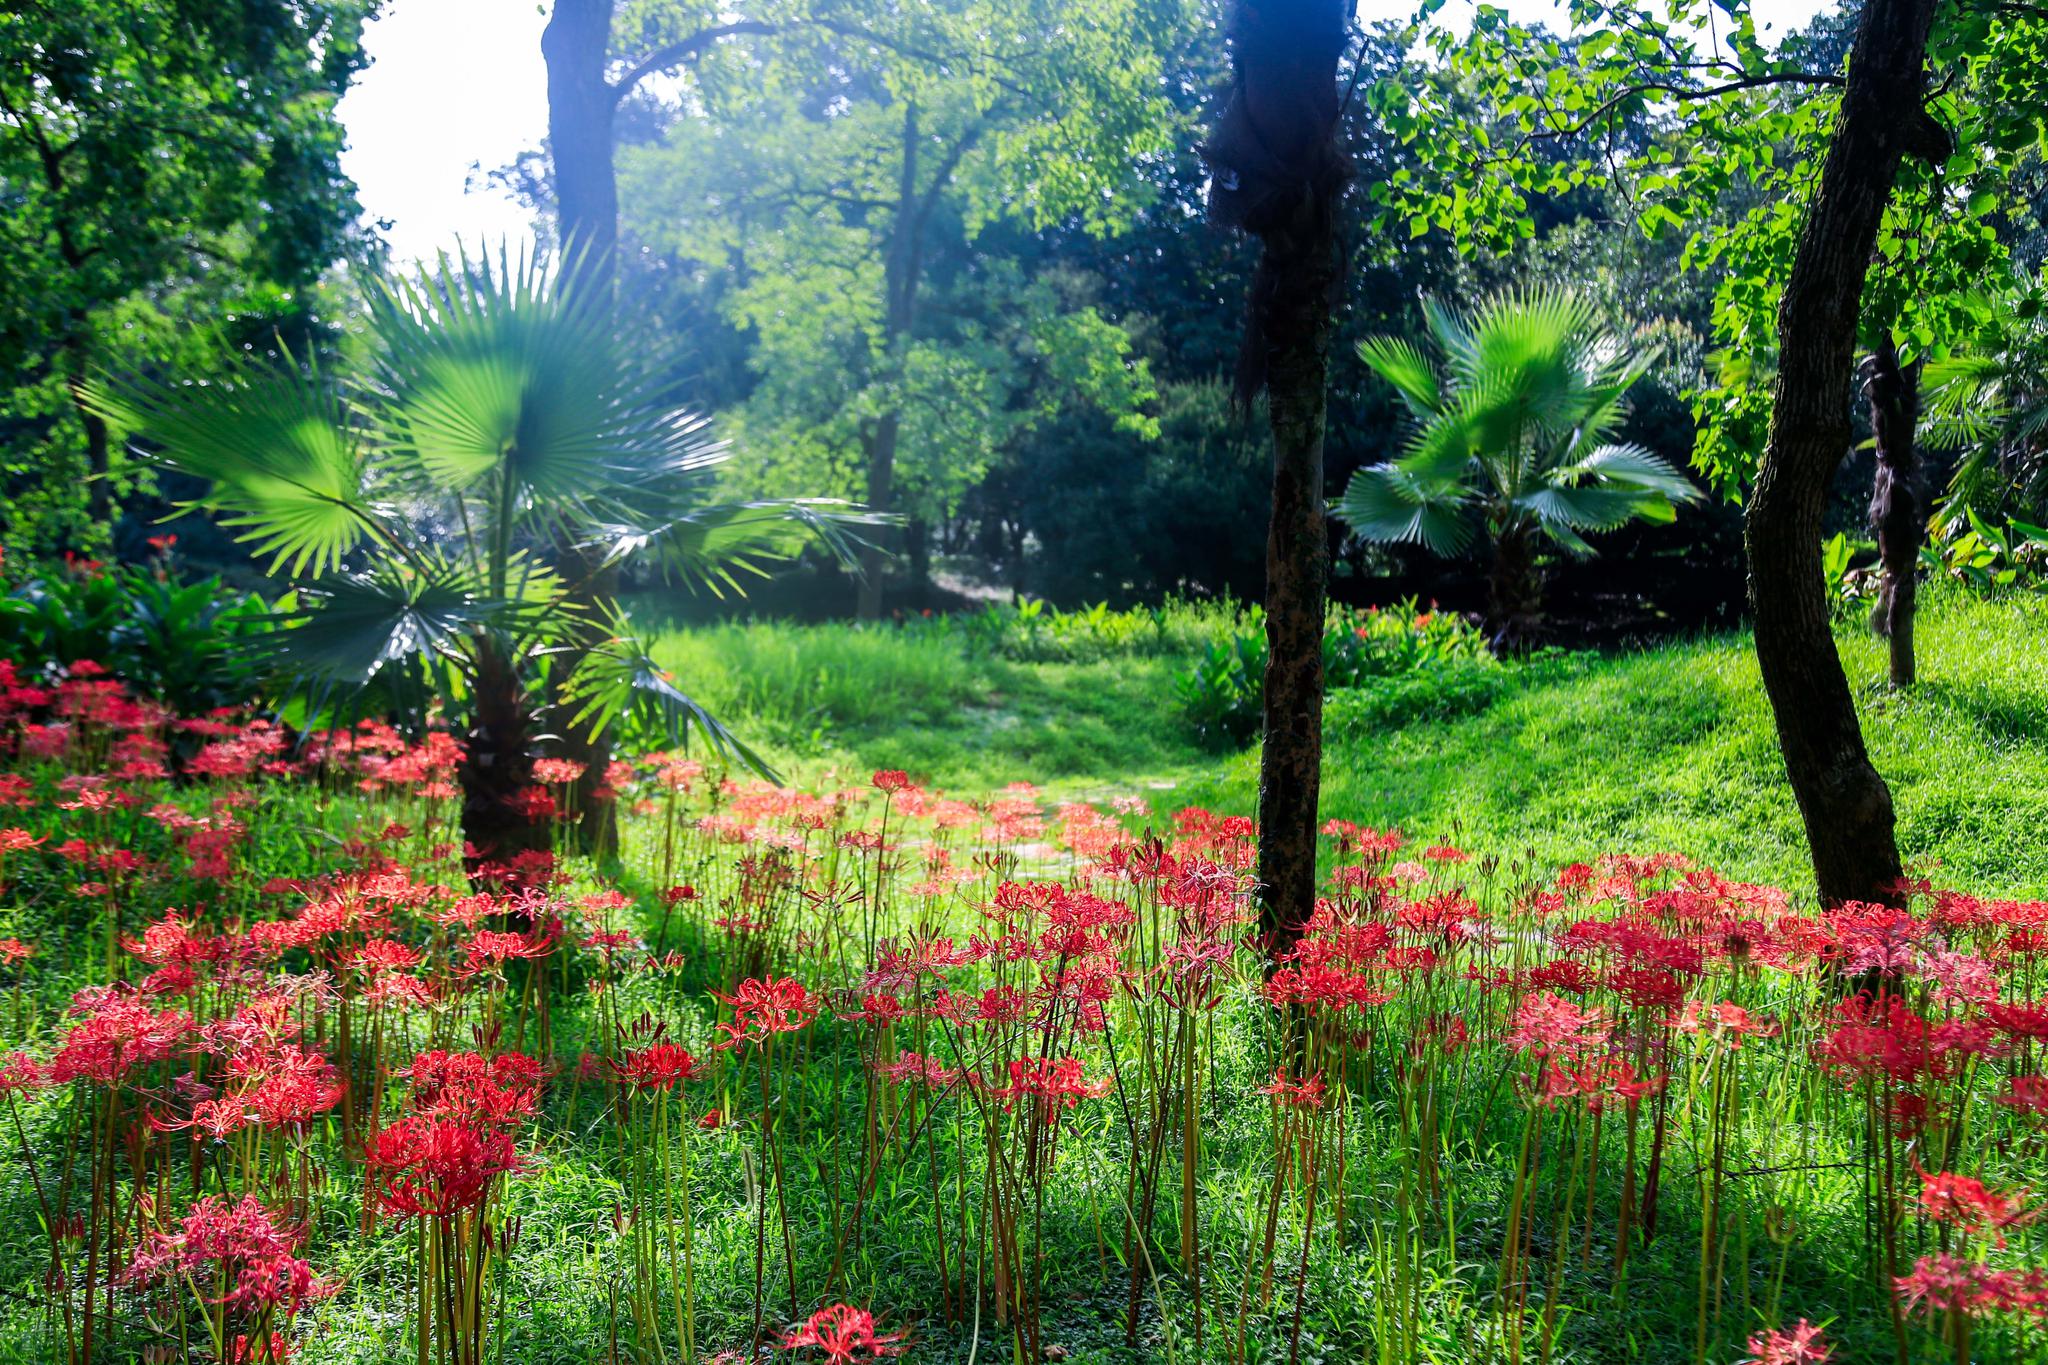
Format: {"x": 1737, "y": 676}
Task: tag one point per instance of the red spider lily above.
{"x": 1548, "y": 1025}
{"x": 1800, "y": 1345}
{"x": 492, "y": 948}
{"x": 1726, "y": 1022}
{"x": 273, "y": 1349}
{"x": 911, "y": 1068}
{"x": 556, "y": 771}
{"x": 437, "y": 1167}
{"x": 890, "y": 780}
{"x": 878, "y": 1009}
{"x": 20, "y": 1074}
{"x": 762, "y": 1009}
{"x": 381, "y": 955}
{"x": 658, "y": 1066}
{"x": 1967, "y": 1203}
{"x": 2027, "y": 1095}
{"x": 115, "y": 1037}
{"x": 844, "y": 1333}
{"x": 1955, "y": 1285}
{"x": 240, "y": 1244}
{"x": 2028, "y": 1020}
{"x": 469, "y": 1087}
{"x": 1296, "y": 1094}
{"x": 13, "y": 950}
{"x": 1056, "y": 1083}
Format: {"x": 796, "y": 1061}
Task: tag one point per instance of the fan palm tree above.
{"x": 1989, "y": 403}
{"x": 1512, "y": 441}
{"x": 416, "y": 507}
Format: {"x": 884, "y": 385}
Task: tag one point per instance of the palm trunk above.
{"x": 1514, "y": 591}
{"x": 1898, "y": 514}
{"x": 1279, "y": 174}
{"x": 497, "y": 767}
{"x": 1846, "y": 806}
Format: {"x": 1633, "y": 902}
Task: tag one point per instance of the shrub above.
{"x": 183, "y": 643}
{"x": 1223, "y": 695}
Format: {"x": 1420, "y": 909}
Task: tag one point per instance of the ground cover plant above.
{"x": 853, "y": 1068}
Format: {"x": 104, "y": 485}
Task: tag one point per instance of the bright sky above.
{"x": 456, "y": 88}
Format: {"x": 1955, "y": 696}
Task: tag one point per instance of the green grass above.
{"x": 968, "y": 722}
{"x": 1666, "y": 748}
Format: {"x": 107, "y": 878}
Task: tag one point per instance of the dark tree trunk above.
{"x": 1278, "y": 173}
{"x": 900, "y": 271}
{"x": 576, "y": 45}
{"x": 1898, "y": 513}
{"x": 497, "y": 767}
{"x": 1514, "y": 592}
{"x": 1845, "y": 804}
{"x": 581, "y": 102}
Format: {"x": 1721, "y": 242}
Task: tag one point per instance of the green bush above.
{"x": 186, "y": 643}
{"x": 1223, "y": 695}
{"x": 1033, "y": 631}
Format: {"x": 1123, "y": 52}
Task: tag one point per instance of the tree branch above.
{"x": 683, "y": 49}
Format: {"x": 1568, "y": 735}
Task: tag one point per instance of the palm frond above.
{"x": 618, "y": 681}
{"x": 1404, "y": 366}
{"x": 1389, "y": 503}
{"x": 1630, "y": 466}
{"x": 711, "y": 546}
{"x": 278, "y": 448}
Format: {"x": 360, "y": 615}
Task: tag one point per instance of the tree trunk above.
{"x": 900, "y": 271}
{"x": 98, "y": 463}
{"x": 576, "y": 44}
{"x": 1845, "y": 804}
{"x": 580, "y": 108}
{"x": 1278, "y": 173}
{"x": 1514, "y": 592}
{"x": 1898, "y": 513}
{"x": 497, "y": 768}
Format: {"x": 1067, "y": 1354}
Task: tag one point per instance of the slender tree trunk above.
{"x": 581, "y": 101}
{"x": 98, "y": 463}
{"x": 1845, "y": 804}
{"x": 580, "y": 109}
{"x": 1898, "y": 515}
{"x": 900, "y": 271}
{"x": 1279, "y": 172}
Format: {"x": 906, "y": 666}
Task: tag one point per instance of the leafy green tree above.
{"x": 150, "y": 146}
{"x": 830, "y": 168}
{"x": 1514, "y": 443}
{"x": 414, "y": 507}
{"x": 1873, "y": 169}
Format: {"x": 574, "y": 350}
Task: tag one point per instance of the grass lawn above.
{"x": 1669, "y": 748}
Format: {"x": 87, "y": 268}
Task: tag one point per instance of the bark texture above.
{"x": 1845, "y": 804}
{"x": 497, "y": 768}
{"x": 1278, "y": 173}
{"x": 1898, "y": 509}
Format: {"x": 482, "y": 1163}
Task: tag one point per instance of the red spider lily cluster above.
{"x": 235, "y": 1045}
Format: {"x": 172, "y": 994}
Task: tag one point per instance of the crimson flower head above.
{"x": 1548, "y": 1025}
{"x": 1298, "y": 1094}
{"x": 437, "y": 1168}
{"x": 844, "y": 1334}
{"x": 891, "y": 780}
{"x": 1966, "y": 1203}
{"x": 658, "y": 1066}
{"x": 1800, "y": 1344}
{"x": 239, "y": 1246}
{"x": 762, "y": 1009}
